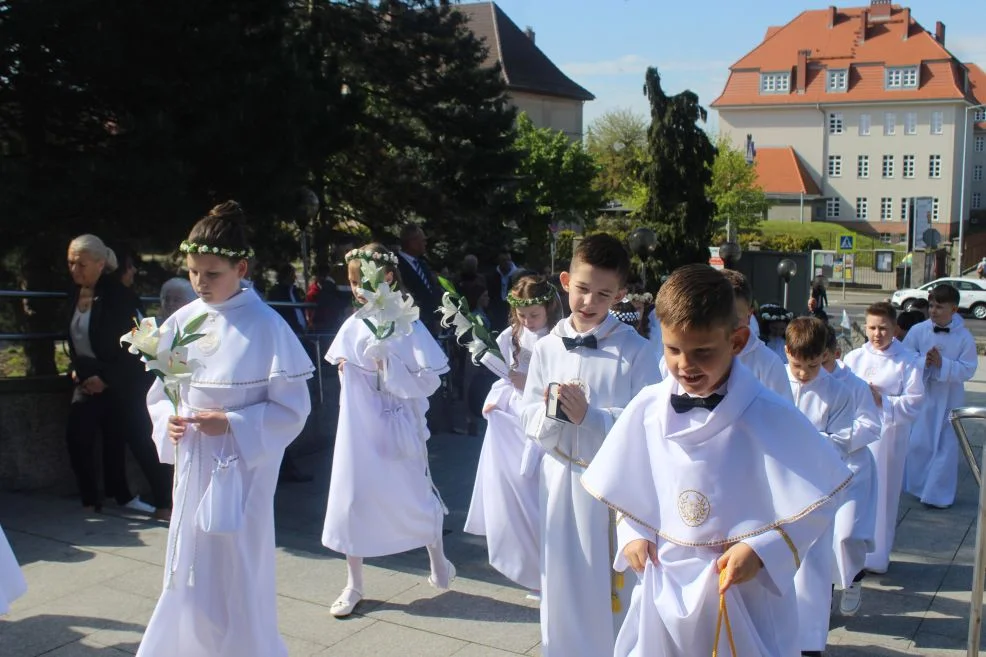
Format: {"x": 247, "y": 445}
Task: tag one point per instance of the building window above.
{"x": 886, "y": 209}
{"x": 863, "y": 166}
{"x": 903, "y": 208}
{"x": 775, "y": 83}
{"x": 835, "y": 166}
{"x": 977, "y": 200}
{"x": 934, "y": 166}
{"x": 888, "y": 166}
{"x": 937, "y": 122}
{"x": 977, "y": 172}
{"x": 902, "y": 238}
{"x": 889, "y": 123}
{"x": 902, "y": 78}
{"x": 979, "y": 115}
{"x": 934, "y": 209}
{"x": 832, "y": 208}
{"x": 886, "y": 238}
{"x": 862, "y": 207}
{"x": 908, "y": 166}
{"x": 980, "y": 144}
{"x": 910, "y": 123}
{"x": 864, "y": 124}
{"x": 838, "y": 80}
{"x": 836, "y": 123}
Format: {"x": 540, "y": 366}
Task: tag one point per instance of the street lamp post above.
{"x": 965, "y": 152}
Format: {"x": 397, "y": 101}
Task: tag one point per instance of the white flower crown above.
{"x": 193, "y": 247}
{"x": 360, "y": 254}
{"x": 645, "y": 297}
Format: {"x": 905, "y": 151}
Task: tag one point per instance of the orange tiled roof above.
{"x": 840, "y": 46}
{"x": 780, "y": 171}
{"x": 977, "y": 87}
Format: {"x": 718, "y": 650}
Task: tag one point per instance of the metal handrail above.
{"x": 32, "y": 294}
{"x": 978, "y": 575}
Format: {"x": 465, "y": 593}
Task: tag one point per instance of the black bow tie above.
{"x": 588, "y": 341}
{"x": 683, "y": 403}
{"x": 942, "y": 329}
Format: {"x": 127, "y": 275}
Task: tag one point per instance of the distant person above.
{"x": 469, "y": 269}
{"x": 906, "y": 321}
{"x": 819, "y": 294}
{"x": 331, "y": 304}
{"x": 175, "y": 293}
{"x": 981, "y": 268}
{"x": 285, "y": 290}
{"x": 419, "y": 281}
{"x": 922, "y": 306}
{"x": 499, "y": 282}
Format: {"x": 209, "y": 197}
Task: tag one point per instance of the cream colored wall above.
{"x": 549, "y": 112}
{"x": 798, "y": 127}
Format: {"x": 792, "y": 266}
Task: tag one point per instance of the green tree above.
{"x": 555, "y": 183}
{"x": 618, "y": 142}
{"x": 678, "y": 174}
{"x": 738, "y": 196}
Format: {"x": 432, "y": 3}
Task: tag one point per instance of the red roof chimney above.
{"x": 880, "y": 10}
{"x": 864, "y": 19}
{"x": 907, "y": 23}
{"x": 801, "y": 79}
{"x": 832, "y": 11}
{"x": 940, "y": 32}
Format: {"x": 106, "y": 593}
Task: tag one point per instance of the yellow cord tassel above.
{"x": 723, "y": 616}
{"x": 617, "y": 605}
{"x": 618, "y": 581}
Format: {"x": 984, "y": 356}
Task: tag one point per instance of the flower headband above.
{"x": 359, "y": 254}
{"x": 645, "y": 297}
{"x": 193, "y": 247}
{"x": 543, "y": 300}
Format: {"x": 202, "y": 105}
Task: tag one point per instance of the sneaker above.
{"x": 137, "y": 505}
{"x": 852, "y": 598}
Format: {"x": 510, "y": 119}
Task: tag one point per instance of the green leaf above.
{"x": 194, "y": 324}
{"x": 369, "y": 325}
{"x": 189, "y": 339}
{"x": 449, "y": 287}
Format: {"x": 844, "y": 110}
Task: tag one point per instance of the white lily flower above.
{"x": 462, "y": 325}
{"x": 449, "y": 310}
{"x": 373, "y": 273}
{"x": 143, "y": 338}
{"x": 409, "y": 313}
{"x": 380, "y": 304}
{"x": 174, "y": 365}
{"x": 476, "y": 348}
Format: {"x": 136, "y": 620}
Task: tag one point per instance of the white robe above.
{"x": 655, "y": 337}
{"x": 578, "y": 618}
{"x": 776, "y": 344}
{"x": 219, "y": 598}
{"x": 829, "y": 407}
{"x": 855, "y": 521}
{"x": 696, "y": 482}
{"x": 933, "y": 454}
{"x": 12, "y": 584}
{"x": 381, "y": 497}
{"x": 896, "y": 373}
{"x": 505, "y": 506}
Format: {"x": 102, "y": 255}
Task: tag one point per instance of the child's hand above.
{"x": 740, "y": 564}
{"x": 211, "y": 423}
{"x": 877, "y": 397}
{"x": 933, "y": 359}
{"x": 518, "y": 379}
{"x": 573, "y": 402}
{"x": 176, "y": 428}
{"x": 639, "y": 552}
{"x": 489, "y": 408}
{"x": 342, "y": 363}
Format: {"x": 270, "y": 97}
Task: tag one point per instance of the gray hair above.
{"x": 175, "y": 293}
{"x": 96, "y": 248}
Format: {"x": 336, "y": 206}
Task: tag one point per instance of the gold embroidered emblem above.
{"x": 693, "y": 507}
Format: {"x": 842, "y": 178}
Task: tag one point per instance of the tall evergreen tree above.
{"x": 679, "y": 171}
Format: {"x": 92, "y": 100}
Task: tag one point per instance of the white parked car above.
{"x": 972, "y": 295}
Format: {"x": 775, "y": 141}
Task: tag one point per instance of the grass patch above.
{"x": 826, "y": 233}
{"x": 13, "y": 362}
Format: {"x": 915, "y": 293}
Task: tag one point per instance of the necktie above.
{"x": 942, "y": 329}
{"x": 420, "y": 269}
{"x": 684, "y": 403}
{"x": 589, "y": 342}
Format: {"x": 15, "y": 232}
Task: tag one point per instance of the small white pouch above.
{"x": 221, "y": 508}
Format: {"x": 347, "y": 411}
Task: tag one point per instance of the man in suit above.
{"x": 419, "y": 281}
{"x": 499, "y": 283}
{"x": 285, "y": 290}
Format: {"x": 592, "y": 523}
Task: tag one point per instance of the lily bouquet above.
{"x": 385, "y": 311}
{"x": 481, "y": 346}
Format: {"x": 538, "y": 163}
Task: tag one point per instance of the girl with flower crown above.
{"x": 244, "y": 403}
{"x": 382, "y": 500}
{"x": 505, "y": 506}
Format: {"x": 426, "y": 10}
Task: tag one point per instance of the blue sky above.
{"x": 606, "y": 45}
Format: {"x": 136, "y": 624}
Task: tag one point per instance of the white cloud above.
{"x": 969, "y": 48}
{"x": 637, "y": 65}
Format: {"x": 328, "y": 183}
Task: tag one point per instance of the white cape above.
{"x": 12, "y": 584}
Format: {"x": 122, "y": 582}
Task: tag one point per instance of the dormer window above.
{"x": 838, "y": 80}
{"x": 775, "y": 83}
{"x": 979, "y": 115}
{"x": 902, "y": 78}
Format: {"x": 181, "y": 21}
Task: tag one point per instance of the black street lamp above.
{"x": 642, "y": 243}
{"x": 787, "y": 269}
{"x": 306, "y": 207}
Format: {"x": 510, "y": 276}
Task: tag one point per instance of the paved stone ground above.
{"x": 94, "y": 579}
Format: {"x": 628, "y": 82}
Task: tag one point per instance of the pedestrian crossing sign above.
{"x": 846, "y": 242}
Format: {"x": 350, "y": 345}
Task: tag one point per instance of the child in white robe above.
{"x": 894, "y": 375}
{"x": 717, "y": 507}
{"x": 829, "y": 407}
{"x": 381, "y": 496}
{"x": 505, "y": 504}
{"x": 599, "y": 364}
{"x": 773, "y": 324}
{"x": 243, "y": 406}
{"x": 949, "y": 353}
{"x": 12, "y": 584}
{"x": 855, "y": 521}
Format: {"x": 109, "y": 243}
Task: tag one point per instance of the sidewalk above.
{"x": 94, "y": 579}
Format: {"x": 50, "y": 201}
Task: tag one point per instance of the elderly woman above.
{"x": 110, "y": 384}
{"x": 175, "y": 293}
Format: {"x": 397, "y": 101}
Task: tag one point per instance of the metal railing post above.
{"x": 978, "y": 575}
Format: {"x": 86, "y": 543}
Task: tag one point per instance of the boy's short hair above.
{"x": 882, "y": 309}
{"x": 605, "y": 252}
{"x": 696, "y": 297}
{"x": 806, "y": 338}
{"x": 908, "y": 319}
{"x": 742, "y": 289}
{"x": 831, "y": 338}
{"x": 921, "y": 305}
{"x": 944, "y": 293}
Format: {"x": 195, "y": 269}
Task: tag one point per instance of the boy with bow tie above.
{"x": 949, "y": 355}
{"x": 721, "y": 486}
{"x": 599, "y": 364}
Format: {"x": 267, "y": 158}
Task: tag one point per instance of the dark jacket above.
{"x": 426, "y": 298}
{"x": 282, "y": 292}
{"x": 114, "y": 309}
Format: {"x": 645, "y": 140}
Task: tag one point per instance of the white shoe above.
{"x": 852, "y": 599}
{"x": 346, "y": 602}
{"x": 137, "y": 505}
{"x": 451, "y": 577}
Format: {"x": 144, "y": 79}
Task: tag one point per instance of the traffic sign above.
{"x": 847, "y": 243}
